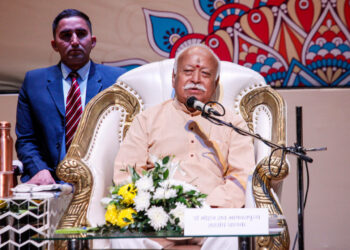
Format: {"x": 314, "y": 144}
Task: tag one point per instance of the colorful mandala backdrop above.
{"x": 296, "y": 43}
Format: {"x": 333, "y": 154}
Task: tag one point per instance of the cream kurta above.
{"x": 214, "y": 158}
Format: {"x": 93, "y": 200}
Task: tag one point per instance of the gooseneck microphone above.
{"x": 192, "y": 102}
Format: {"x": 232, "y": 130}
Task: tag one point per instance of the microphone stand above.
{"x": 292, "y": 150}
{"x": 300, "y": 179}
{"x": 296, "y": 150}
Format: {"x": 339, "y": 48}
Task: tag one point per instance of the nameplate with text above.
{"x": 226, "y": 221}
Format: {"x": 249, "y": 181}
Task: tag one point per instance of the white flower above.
{"x": 186, "y": 187}
{"x": 167, "y": 184}
{"x": 111, "y": 189}
{"x": 105, "y": 201}
{"x": 170, "y": 193}
{"x": 164, "y": 193}
{"x": 126, "y": 181}
{"x": 142, "y": 201}
{"x": 154, "y": 159}
{"x": 145, "y": 183}
{"x": 204, "y": 204}
{"x": 158, "y": 217}
{"x": 172, "y": 166}
{"x": 159, "y": 194}
{"x": 179, "y": 212}
{"x": 170, "y": 183}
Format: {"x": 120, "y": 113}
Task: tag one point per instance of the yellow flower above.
{"x": 111, "y": 215}
{"x": 125, "y": 213}
{"x": 128, "y": 192}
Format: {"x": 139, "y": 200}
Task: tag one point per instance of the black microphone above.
{"x": 192, "y": 102}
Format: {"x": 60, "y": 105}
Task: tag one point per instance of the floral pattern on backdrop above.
{"x": 295, "y": 43}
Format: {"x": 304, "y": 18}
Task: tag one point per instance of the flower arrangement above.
{"x": 152, "y": 202}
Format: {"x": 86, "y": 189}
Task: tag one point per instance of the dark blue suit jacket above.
{"x": 41, "y": 115}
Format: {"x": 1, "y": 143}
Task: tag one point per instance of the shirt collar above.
{"x": 83, "y": 71}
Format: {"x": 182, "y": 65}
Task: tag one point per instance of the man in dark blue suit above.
{"x": 41, "y": 110}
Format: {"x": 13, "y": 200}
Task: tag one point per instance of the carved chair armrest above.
{"x": 117, "y": 104}
{"x": 269, "y": 172}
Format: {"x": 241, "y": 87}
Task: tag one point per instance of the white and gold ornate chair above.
{"x": 89, "y": 161}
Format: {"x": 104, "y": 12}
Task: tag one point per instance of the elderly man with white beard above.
{"x": 213, "y": 158}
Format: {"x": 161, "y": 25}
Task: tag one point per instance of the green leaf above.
{"x": 134, "y": 175}
{"x": 166, "y": 160}
{"x": 156, "y": 183}
{"x": 195, "y": 202}
{"x": 192, "y": 192}
{"x": 72, "y": 230}
{"x": 182, "y": 200}
{"x": 171, "y": 201}
{"x": 115, "y": 189}
{"x": 166, "y": 174}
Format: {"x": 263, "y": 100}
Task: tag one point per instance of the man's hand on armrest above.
{"x": 43, "y": 177}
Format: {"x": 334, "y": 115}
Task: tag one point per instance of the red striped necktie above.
{"x": 73, "y": 109}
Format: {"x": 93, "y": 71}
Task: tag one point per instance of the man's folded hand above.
{"x": 43, "y": 177}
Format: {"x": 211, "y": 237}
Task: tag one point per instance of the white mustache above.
{"x": 195, "y": 86}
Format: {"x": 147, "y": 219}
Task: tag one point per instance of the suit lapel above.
{"x": 55, "y": 88}
{"x": 94, "y": 84}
